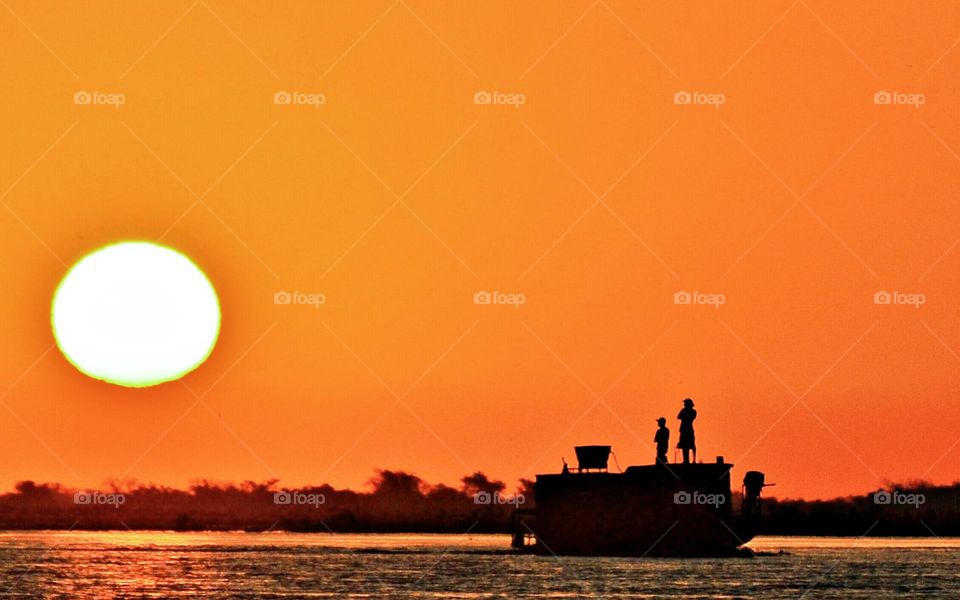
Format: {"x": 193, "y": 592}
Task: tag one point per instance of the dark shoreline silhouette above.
{"x": 402, "y": 502}
{"x": 397, "y": 502}
{"x": 937, "y": 515}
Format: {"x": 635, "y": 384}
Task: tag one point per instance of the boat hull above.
{"x": 675, "y": 510}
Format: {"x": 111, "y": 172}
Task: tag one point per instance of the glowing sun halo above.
{"x": 135, "y": 314}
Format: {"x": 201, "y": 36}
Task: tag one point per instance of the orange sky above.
{"x": 399, "y": 198}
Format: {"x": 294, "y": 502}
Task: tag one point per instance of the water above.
{"x": 286, "y": 565}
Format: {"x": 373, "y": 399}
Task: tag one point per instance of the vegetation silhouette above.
{"x": 937, "y": 515}
{"x": 399, "y": 501}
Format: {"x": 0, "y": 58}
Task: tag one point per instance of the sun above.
{"x": 135, "y": 314}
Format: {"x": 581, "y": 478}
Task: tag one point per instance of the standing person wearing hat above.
{"x": 662, "y": 440}
{"x": 687, "y": 439}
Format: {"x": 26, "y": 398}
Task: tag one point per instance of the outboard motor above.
{"x": 753, "y": 484}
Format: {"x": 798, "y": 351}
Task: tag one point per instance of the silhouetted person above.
{"x": 687, "y": 439}
{"x": 662, "y": 440}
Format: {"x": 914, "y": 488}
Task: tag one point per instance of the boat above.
{"x": 663, "y": 510}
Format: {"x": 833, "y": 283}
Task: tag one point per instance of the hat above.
{"x": 661, "y": 421}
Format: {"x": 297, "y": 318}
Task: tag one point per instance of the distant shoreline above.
{"x": 400, "y": 502}
{"x": 414, "y": 532}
